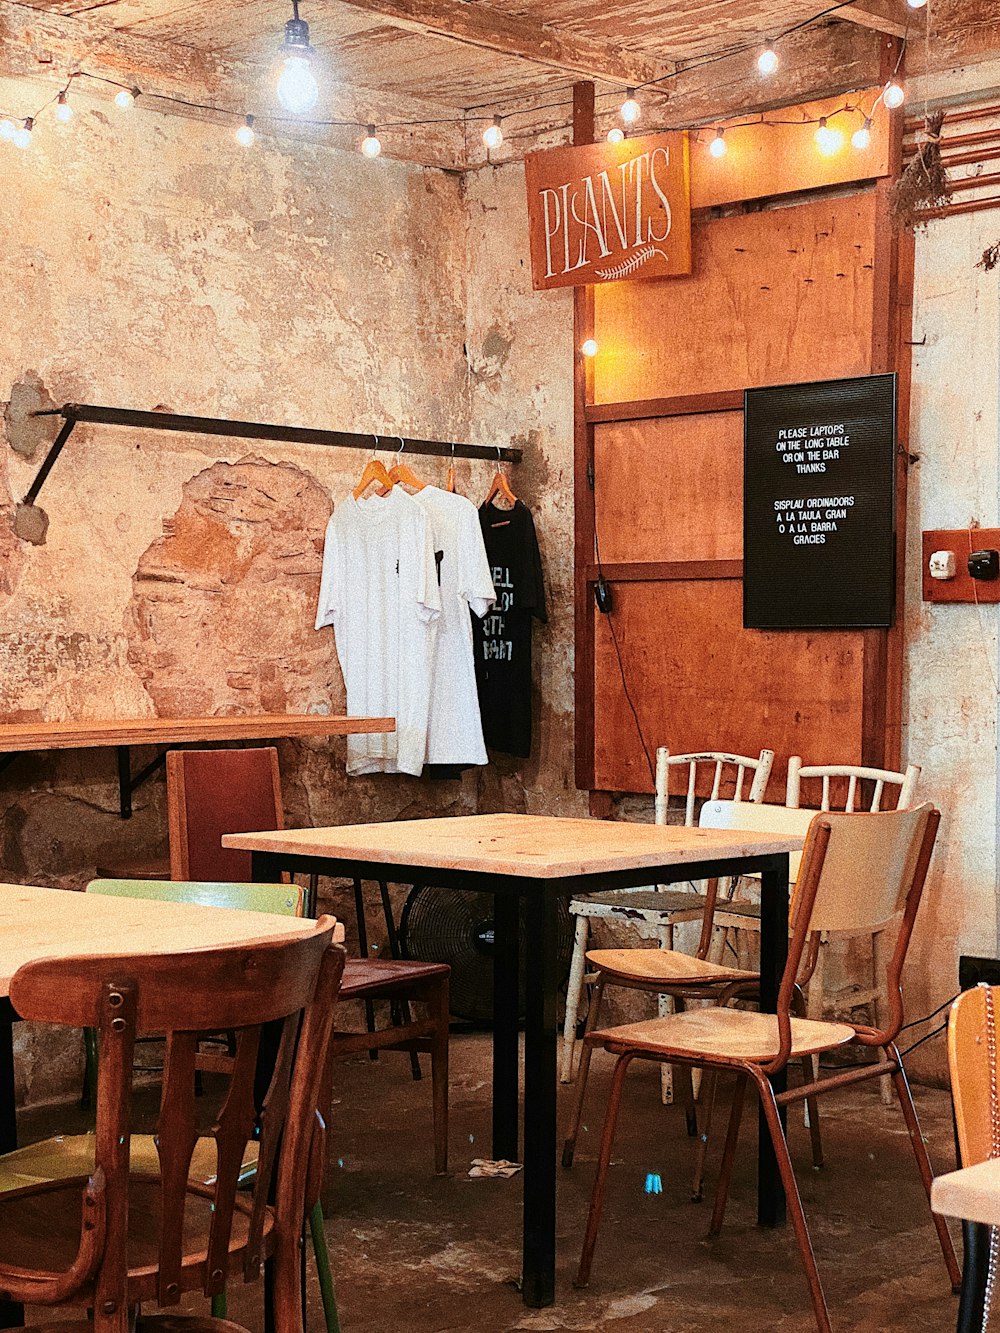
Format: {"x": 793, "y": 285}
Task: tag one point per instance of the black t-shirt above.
{"x": 503, "y": 636}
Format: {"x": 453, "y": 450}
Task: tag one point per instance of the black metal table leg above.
{"x": 975, "y": 1267}
{"x": 539, "y": 1241}
{"x": 773, "y": 953}
{"x": 505, "y": 1026}
{"x": 11, "y": 1314}
{"x": 359, "y": 912}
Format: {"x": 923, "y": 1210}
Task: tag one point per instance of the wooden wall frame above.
{"x": 869, "y": 661}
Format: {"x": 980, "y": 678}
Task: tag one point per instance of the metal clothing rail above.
{"x": 72, "y": 413}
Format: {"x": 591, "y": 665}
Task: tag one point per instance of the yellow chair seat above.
{"x": 70, "y": 1155}
{"x": 726, "y": 1034}
{"x": 664, "y": 965}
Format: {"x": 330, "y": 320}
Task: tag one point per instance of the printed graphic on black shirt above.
{"x": 503, "y": 636}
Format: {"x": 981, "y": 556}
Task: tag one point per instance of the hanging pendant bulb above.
{"x": 493, "y": 134}
{"x": 828, "y": 140}
{"x": 589, "y": 347}
{"x": 916, "y": 4}
{"x": 64, "y": 112}
{"x": 893, "y": 95}
{"x": 125, "y": 97}
{"x": 862, "y": 138}
{"x": 630, "y": 110}
{"x": 616, "y": 134}
{"x": 244, "y": 135}
{"x": 7, "y": 129}
{"x": 21, "y": 138}
{"x": 371, "y": 144}
{"x": 298, "y": 91}
{"x": 718, "y": 145}
{"x": 767, "y": 61}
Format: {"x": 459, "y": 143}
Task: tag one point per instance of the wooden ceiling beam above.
{"x": 504, "y": 33}
{"x": 894, "y": 17}
{"x": 37, "y": 45}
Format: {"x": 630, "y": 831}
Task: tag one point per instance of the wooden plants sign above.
{"x": 605, "y": 212}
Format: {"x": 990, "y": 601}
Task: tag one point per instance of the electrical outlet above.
{"x": 972, "y": 971}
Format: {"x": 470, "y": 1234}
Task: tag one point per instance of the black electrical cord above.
{"x": 927, "y": 1017}
{"x": 926, "y": 1037}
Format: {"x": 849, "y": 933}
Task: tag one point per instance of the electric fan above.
{"x": 455, "y": 926}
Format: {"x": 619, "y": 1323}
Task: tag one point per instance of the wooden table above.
{"x": 538, "y": 860}
{"x": 973, "y": 1194}
{"x": 21, "y": 737}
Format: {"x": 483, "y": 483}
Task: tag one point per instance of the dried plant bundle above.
{"x": 923, "y": 184}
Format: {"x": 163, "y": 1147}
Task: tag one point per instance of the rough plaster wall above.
{"x": 950, "y": 699}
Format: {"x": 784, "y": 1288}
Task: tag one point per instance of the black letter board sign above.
{"x": 819, "y": 505}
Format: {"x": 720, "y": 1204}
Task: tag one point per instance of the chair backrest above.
{"x": 759, "y": 818}
{"x": 861, "y": 873}
{"x": 278, "y": 899}
{"x": 212, "y": 792}
{"x": 727, "y": 768}
{"x": 291, "y": 982}
{"x": 975, "y": 1072}
{"x": 853, "y": 773}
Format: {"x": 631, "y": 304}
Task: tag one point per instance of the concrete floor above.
{"x": 413, "y": 1253}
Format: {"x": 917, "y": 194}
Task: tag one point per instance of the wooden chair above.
{"x": 111, "y": 1239}
{"x": 889, "y": 853}
{"x": 212, "y": 792}
{"x": 654, "y": 912}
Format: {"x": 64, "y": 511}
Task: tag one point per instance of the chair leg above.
{"x": 923, "y": 1164}
{"x": 600, "y": 1179}
{"x": 707, "y": 1099}
{"x": 312, "y": 894}
{"x": 88, "y": 1095}
{"x": 586, "y": 1051}
{"x": 728, "y": 1155}
{"x": 794, "y": 1201}
{"x": 665, "y": 1006}
{"x": 878, "y": 1010}
{"x": 439, "y": 1076}
{"x": 812, "y": 1116}
{"x": 220, "y": 1306}
{"x": 687, "y": 1083}
{"x": 359, "y": 911}
{"x": 326, "y": 1289}
{"x": 814, "y": 1009}
{"x": 574, "y": 993}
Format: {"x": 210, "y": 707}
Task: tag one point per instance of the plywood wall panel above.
{"x": 776, "y": 297}
{"x": 698, "y": 680}
{"x": 670, "y": 488}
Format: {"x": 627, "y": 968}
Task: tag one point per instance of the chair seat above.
{"x": 72, "y": 1155}
{"x": 155, "y": 1323}
{"x": 638, "y": 904}
{"x": 377, "y": 978}
{"x": 40, "y": 1230}
{"x": 664, "y": 965}
{"x": 727, "y": 1034}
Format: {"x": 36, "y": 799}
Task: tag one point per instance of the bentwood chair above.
{"x": 888, "y": 853}
{"x": 653, "y": 913}
{"x": 112, "y": 1239}
{"x": 212, "y": 792}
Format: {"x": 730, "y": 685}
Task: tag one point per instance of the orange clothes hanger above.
{"x": 401, "y": 474}
{"x": 451, "y": 473}
{"x": 499, "y": 486}
{"x": 374, "y": 473}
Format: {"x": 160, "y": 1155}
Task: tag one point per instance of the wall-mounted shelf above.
{"x": 72, "y": 413}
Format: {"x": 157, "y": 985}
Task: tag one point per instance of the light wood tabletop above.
{"x": 529, "y": 846}
{"x": 15, "y": 737}
{"x": 49, "y": 923}
{"x": 972, "y": 1194}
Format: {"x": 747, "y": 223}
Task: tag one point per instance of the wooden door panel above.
{"x": 699, "y": 680}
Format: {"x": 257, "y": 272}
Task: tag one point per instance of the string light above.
{"x": 916, "y": 4}
{"x": 7, "y": 129}
{"x": 371, "y": 144}
{"x": 828, "y": 140}
{"x": 862, "y": 138}
{"x": 893, "y": 95}
{"x": 64, "y": 112}
{"x": 125, "y": 97}
{"x": 616, "y": 134}
{"x": 21, "y": 138}
{"x": 589, "y": 347}
{"x": 298, "y": 90}
{"x": 244, "y": 135}
{"x": 631, "y": 110}
{"x": 767, "y": 61}
{"x": 718, "y": 145}
{"x": 493, "y": 134}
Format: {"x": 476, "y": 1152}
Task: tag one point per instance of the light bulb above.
{"x": 718, "y": 145}
{"x": 125, "y": 97}
{"x": 64, "y": 112}
{"x": 244, "y": 135}
{"x": 828, "y": 141}
{"x": 616, "y": 134}
{"x": 767, "y": 61}
{"x": 7, "y": 129}
{"x": 371, "y": 144}
{"x": 589, "y": 347}
{"x": 631, "y": 111}
{"x": 298, "y": 90}
{"x": 21, "y": 138}
{"x": 916, "y": 4}
{"x": 862, "y": 138}
{"x": 493, "y": 134}
{"x": 893, "y": 96}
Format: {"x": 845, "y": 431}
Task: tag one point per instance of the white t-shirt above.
{"x": 455, "y": 733}
{"x": 380, "y": 593}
